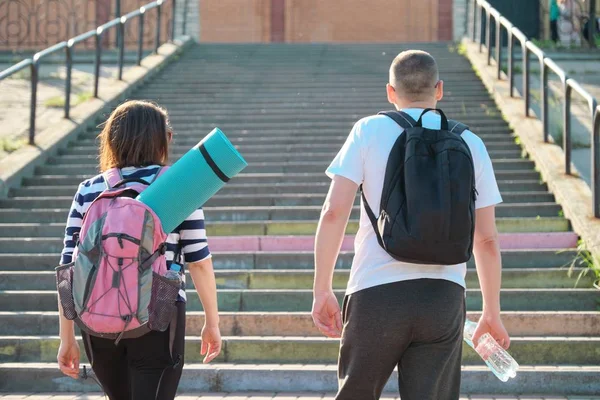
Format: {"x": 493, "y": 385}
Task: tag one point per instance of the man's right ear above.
{"x": 391, "y": 93}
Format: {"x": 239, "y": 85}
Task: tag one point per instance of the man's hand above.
{"x": 211, "y": 343}
{"x": 68, "y": 357}
{"x": 327, "y": 315}
{"x": 494, "y": 326}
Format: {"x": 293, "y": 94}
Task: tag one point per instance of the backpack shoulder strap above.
{"x": 401, "y": 118}
{"x": 112, "y": 177}
{"x": 457, "y": 127}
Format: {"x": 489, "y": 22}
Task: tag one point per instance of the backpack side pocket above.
{"x": 64, "y": 285}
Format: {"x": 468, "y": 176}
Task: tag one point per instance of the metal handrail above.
{"x": 118, "y": 23}
{"x": 482, "y": 9}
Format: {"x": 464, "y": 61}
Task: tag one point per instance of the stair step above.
{"x": 313, "y": 350}
{"x": 562, "y": 380}
{"x": 551, "y": 278}
{"x": 301, "y": 300}
{"x": 518, "y": 323}
{"x": 327, "y": 146}
{"x": 177, "y": 150}
{"x": 270, "y": 167}
{"x": 239, "y": 213}
{"x": 244, "y": 228}
{"x": 282, "y": 199}
{"x": 273, "y": 184}
{"x": 526, "y": 258}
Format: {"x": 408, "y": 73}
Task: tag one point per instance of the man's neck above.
{"x": 416, "y": 104}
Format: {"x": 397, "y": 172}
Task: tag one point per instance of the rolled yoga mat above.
{"x": 193, "y": 179}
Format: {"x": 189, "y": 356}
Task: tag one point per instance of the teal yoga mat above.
{"x": 193, "y": 179}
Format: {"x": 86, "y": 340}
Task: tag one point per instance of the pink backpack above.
{"x": 116, "y": 287}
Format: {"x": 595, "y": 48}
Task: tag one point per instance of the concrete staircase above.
{"x": 289, "y": 109}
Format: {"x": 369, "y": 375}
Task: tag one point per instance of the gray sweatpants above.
{"x": 416, "y": 325}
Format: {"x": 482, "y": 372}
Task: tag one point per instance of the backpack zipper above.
{"x": 121, "y": 236}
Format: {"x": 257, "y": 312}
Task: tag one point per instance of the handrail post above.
{"x": 526, "y": 78}
{"x": 511, "y": 62}
{"x": 499, "y": 48}
{"x": 474, "y": 11}
{"x": 174, "y": 19}
{"x": 488, "y": 36}
{"x": 480, "y": 34}
{"x": 33, "y": 104}
{"x": 158, "y": 22}
{"x": 69, "y": 55}
{"x": 118, "y": 15}
{"x": 185, "y": 13}
{"x": 121, "y": 30}
{"x": 567, "y": 128}
{"x": 595, "y": 163}
{"x": 140, "y": 49}
{"x": 544, "y": 105}
{"x": 98, "y": 61}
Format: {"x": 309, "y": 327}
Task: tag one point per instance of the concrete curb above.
{"x": 571, "y": 192}
{"x": 22, "y": 163}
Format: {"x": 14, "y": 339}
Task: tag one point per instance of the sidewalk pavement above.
{"x": 262, "y": 396}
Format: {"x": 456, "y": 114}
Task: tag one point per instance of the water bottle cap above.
{"x": 175, "y": 267}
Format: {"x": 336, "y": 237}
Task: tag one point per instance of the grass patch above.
{"x": 10, "y": 145}
{"x": 59, "y": 101}
{"x": 589, "y": 263}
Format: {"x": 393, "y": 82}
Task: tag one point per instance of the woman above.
{"x": 136, "y": 140}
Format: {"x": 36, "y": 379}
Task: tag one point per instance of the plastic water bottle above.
{"x": 174, "y": 273}
{"x": 496, "y": 358}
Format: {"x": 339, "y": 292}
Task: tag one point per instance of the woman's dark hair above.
{"x": 136, "y": 134}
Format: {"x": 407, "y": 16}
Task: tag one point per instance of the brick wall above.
{"x": 326, "y": 20}
{"x": 361, "y": 21}
{"x": 235, "y": 21}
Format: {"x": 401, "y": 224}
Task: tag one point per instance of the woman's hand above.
{"x": 68, "y": 357}
{"x": 211, "y": 343}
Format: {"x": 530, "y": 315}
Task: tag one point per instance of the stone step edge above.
{"x": 294, "y": 271}
{"x": 316, "y": 339}
{"x": 579, "y": 380}
{"x": 285, "y": 243}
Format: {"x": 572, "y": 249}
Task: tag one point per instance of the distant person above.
{"x": 569, "y": 23}
{"x": 134, "y": 145}
{"x": 554, "y": 17}
{"x": 408, "y": 315}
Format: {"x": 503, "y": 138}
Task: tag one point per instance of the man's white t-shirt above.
{"x": 363, "y": 160}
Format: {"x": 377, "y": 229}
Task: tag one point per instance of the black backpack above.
{"x": 428, "y": 200}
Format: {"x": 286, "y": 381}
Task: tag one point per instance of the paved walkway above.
{"x": 262, "y": 396}
{"x": 15, "y": 96}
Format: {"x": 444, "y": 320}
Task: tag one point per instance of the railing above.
{"x": 119, "y": 24}
{"x": 482, "y": 9}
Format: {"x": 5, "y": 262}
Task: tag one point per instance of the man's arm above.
{"x": 330, "y": 234}
{"x": 489, "y": 270}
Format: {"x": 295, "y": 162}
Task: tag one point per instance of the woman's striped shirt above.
{"x": 187, "y": 243}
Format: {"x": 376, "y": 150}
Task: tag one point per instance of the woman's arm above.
{"x": 203, "y": 275}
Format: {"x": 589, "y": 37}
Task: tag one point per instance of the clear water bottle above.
{"x": 174, "y": 273}
{"x": 496, "y": 358}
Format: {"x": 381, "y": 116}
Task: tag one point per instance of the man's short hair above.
{"x": 414, "y": 74}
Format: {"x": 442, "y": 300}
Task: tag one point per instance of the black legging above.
{"x": 142, "y": 368}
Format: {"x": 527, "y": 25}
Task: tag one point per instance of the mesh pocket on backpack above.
{"x": 162, "y": 306}
{"x": 64, "y": 285}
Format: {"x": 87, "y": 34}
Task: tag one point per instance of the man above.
{"x": 395, "y": 313}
